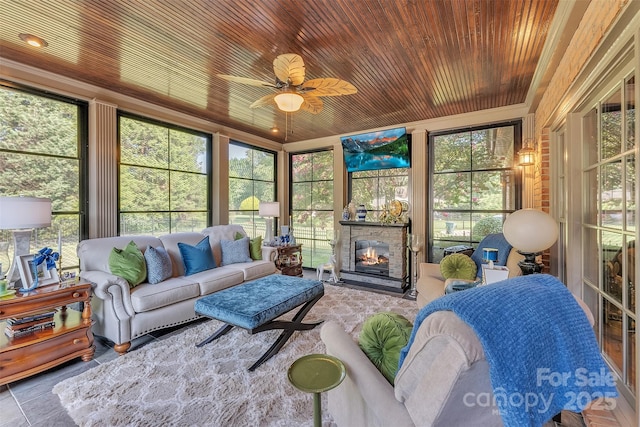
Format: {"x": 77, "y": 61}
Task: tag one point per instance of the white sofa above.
{"x": 122, "y": 314}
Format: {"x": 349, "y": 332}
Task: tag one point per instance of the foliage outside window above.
{"x": 41, "y": 155}
{"x": 164, "y": 178}
{"x": 473, "y": 184}
{"x": 312, "y": 204}
{"x": 609, "y": 173}
{"x": 377, "y": 188}
{"x": 252, "y": 179}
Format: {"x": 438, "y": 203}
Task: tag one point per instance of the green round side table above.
{"x": 315, "y": 373}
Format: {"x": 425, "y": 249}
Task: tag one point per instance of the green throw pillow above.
{"x": 458, "y": 266}
{"x": 129, "y": 264}
{"x": 255, "y": 248}
{"x": 383, "y": 336}
{"x": 238, "y": 236}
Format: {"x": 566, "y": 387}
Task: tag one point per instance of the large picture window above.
{"x": 164, "y": 177}
{"x": 312, "y": 204}
{"x": 252, "y": 179}
{"x": 473, "y": 183}
{"x": 42, "y": 154}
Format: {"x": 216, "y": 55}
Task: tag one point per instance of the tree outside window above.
{"x": 473, "y": 184}
{"x": 252, "y": 179}
{"x": 377, "y": 188}
{"x": 42, "y": 154}
{"x": 312, "y": 204}
{"x": 164, "y": 178}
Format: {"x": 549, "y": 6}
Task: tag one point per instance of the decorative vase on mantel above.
{"x": 361, "y": 213}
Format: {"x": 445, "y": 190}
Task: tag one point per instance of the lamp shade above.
{"x": 526, "y": 157}
{"x": 530, "y": 230}
{"x": 24, "y": 212}
{"x": 289, "y": 101}
{"x": 269, "y": 209}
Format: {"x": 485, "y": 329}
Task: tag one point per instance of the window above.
{"x": 164, "y": 178}
{"x": 312, "y": 204}
{"x": 42, "y": 154}
{"x": 609, "y": 215}
{"x": 252, "y": 179}
{"x": 375, "y": 189}
{"x": 473, "y": 184}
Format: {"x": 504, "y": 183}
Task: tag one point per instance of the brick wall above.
{"x": 595, "y": 23}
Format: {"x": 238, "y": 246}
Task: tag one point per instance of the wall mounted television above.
{"x": 385, "y": 149}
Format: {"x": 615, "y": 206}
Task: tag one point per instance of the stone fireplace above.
{"x": 375, "y": 255}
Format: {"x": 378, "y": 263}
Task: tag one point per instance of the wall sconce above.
{"x": 527, "y": 154}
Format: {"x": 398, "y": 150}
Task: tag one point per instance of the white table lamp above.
{"x": 22, "y": 214}
{"x": 530, "y": 231}
{"x": 269, "y": 210}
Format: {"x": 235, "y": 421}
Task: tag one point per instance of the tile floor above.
{"x": 30, "y": 402}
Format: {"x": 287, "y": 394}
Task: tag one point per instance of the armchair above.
{"x": 431, "y": 284}
{"x": 446, "y": 378}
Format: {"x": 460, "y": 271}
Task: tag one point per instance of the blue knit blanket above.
{"x": 541, "y": 349}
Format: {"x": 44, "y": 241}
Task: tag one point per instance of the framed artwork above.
{"x": 27, "y": 275}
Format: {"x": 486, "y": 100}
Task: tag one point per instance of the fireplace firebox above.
{"x": 372, "y": 257}
{"x": 357, "y": 267}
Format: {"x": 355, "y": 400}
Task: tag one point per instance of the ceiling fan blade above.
{"x": 245, "y": 80}
{"x": 289, "y": 68}
{"x": 265, "y": 100}
{"x": 312, "y": 104}
{"x": 328, "y": 87}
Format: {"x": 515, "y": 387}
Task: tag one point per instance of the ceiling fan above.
{"x": 292, "y": 92}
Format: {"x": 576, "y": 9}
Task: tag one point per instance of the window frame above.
{"x": 82, "y": 158}
{"x": 253, "y": 180}
{"x": 376, "y": 212}
{"x": 517, "y": 186}
{"x": 597, "y": 232}
{"x": 324, "y": 242}
{"x": 168, "y": 126}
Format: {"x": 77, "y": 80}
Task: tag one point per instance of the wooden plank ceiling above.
{"x": 410, "y": 60}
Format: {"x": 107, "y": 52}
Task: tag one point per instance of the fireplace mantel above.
{"x": 394, "y": 234}
{"x": 375, "y": 224}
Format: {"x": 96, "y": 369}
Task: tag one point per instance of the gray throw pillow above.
{"x": 158, "y": 264}
{"x": 235, "y": 251}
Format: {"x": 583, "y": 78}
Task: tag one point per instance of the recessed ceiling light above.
{"x": 274, "y": 129}
{"x": 32, "y": 40}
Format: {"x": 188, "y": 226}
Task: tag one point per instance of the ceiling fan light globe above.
{"x": 289, "y": 102}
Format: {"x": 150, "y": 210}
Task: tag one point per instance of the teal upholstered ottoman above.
{"x": 255, "y": 305}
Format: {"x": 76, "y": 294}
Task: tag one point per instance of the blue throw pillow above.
{"x": 496, "y": 241}
{"x": 197, "y": 258}
{"x": 235, "y": 251}
{"x": 158, "y": 264}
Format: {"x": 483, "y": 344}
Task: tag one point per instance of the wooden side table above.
{"x": 289, "y": 260}
{"x": 71, "y": 336}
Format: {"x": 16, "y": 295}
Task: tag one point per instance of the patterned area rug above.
{"x": 170, "y": 382}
